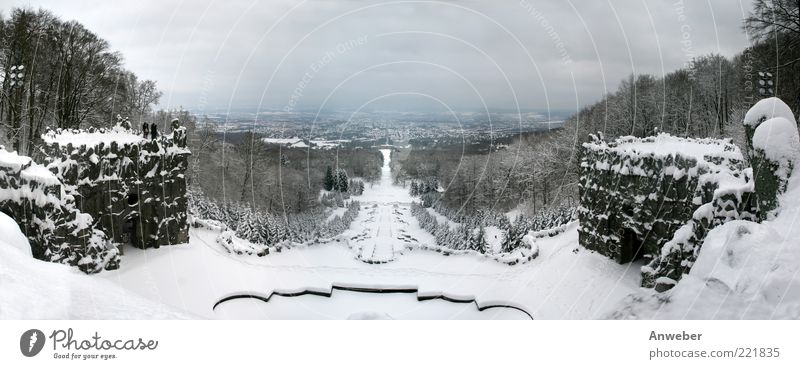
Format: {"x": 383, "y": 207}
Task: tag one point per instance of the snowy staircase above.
{"x": 386, "y": 239}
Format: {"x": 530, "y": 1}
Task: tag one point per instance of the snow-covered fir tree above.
{"x": 329, "y": 181}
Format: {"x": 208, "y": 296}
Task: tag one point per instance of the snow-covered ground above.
{"x": 565, "y": 281}
{"x": 35, "y": 289}
{"x": 745, "y": 270}
{"x": 385, "y": 226}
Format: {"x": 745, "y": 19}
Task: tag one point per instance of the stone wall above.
{"x": 632, "y": 199}
{"x": 678, "y": 255}
{"x": 136, "y": 191}
{"x": 56, "y": 230}
{"x": 613, "y": 203}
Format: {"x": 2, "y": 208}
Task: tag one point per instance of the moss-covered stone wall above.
{"x": 56, "y": 230}
{"x": 650, "y": 204}
{"x": 136, "y": 192}
{"x": 632, "y": 200}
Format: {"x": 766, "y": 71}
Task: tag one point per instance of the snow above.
{"x": 717, "y": 161}
{"x": 282, "y": 141}
{"x": 338, "y": 212}
{"x": 387, "y": 227}
{"x": 369, "y": 315}
{"x": 34, "y": 289}
{"x": 494, "y": 238}
{"x": 664, "y": 145}
{"x": 297, "y": 142}
{"x": 441, "y": 219}
{"x": 779, "y": 140}
{"x": 13, "y": 237}
{"x": 381, "y": 248}
{"x": 745, "y": 270}
{"x": 13, "y": 161}
{"x": 766, "y": 109}
{"x": 18, "y": 190}
{"x": 40, "y": 174}
{"x": 90, "y": 139}
{"x": 514, "y": 213}
{"x": 328, "y": 144}
{"x": 385, "y": 191}
{"x": 385, "y": 246}
{"x": 564, "y": 282}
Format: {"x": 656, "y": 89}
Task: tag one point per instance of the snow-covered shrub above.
{"x": 467, "y": 237}
{"x": 776, "y": 148}
{"x": 263, "y": 231}
{"x": 551, "y": 220}
{"x": 334, "y": 199}
{"x": 425, "y": 186}
{"x": 761, "y": 112}
{"x": 356, "y": 187}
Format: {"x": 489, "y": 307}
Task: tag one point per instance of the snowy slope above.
{"x": 34, "y": 289}
{"x": 565, "y": 281}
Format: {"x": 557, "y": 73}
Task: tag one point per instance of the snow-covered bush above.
{"x": 550, "y": 221}
{"x": 776, "y": 149}
{"x": 468, "y": 237}
{"x": 265, "y": 231}
{"x": 761, "y": 112}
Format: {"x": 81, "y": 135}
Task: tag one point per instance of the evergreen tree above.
{"x": 479, "y": 240}
{"x": 265, "y": 228}
{"x": 340, "y": 181}
{"x": 329, "y": 180}
{"x": 246, "y": 228}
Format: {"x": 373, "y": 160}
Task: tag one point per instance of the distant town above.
{"x": 333, "y": 129}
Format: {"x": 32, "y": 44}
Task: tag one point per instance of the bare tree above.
{"x": 61, "y": 74}
{"x": 772, "y": 17}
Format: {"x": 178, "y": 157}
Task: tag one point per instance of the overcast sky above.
{"x": 403, "y": 55}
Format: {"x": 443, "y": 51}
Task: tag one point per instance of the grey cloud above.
{"x": 215, "y": 54}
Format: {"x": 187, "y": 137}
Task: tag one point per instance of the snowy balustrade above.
{"x": 56, "y": 230}
{"x": 655, "y": 198}
{"x": 132, "y": 182}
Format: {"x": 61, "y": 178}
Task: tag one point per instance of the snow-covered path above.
{"x": 386, "y": 192}
{"x": 383, "y": 229}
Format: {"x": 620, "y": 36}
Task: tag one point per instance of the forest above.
{"x": 59, "y": 74}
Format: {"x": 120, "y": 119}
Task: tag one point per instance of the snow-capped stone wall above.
{"x": 656, "y": 198}
{"x": 132, "y": 182}
{"x": 56, "y": 230}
